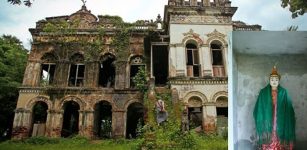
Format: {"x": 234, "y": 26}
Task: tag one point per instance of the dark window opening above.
{"x": 39, "y": 118}
{"x": 217, "y": 59}
{"x": 76, "y": 75}
{"x": 160, "y": 65}
{"x": 222, "y": 117}
{"x": 195, "y": 115}
{"x": 135, "y": 120}
{"x": 103, "y": 120}
{"x": 193, "y": 64}
{"x": 107, "y": 71}
{"x": 134, "y": 69}
{"x": 70, "y": 125}
{"x": 217, "y": 55}
{"x": 47, "y": 74}
{"x": 222, "y": 111}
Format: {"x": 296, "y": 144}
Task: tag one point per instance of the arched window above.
{"x": 107, "y": 71}
{"x": 77, "y": 68}
{"x": 136, "y": 64}
{"x": 217, "y": 59}
{"x": 193, "y": 65}
{"x": 47, "y": 69}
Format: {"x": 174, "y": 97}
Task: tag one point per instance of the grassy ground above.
{"x": 79, "y": 143}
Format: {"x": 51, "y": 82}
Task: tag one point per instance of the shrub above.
{"x": 40, "y": 140}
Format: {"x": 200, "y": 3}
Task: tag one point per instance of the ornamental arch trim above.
{"x": 103, "y": 100}
{"x": 33, "y": 101}
{"x": 78, "y": 100}
{"x": 219, "y": 94}
{"x": 191, "y": 36}
{"x": 131, "y": 101}
{"x": 195, "y": 94}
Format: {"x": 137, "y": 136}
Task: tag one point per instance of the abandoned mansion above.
{"x": 79, "y": 75}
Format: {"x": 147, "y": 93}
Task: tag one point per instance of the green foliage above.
{"x": 13, "y": 58}
{"x": 61, "y": 26}
{"x": 92, "y": 49}
{"x": 297, "y": 7}
{"x": 140, "y": 79}
{"x": 40, "y": 140}
{"x": 121, "y": 43}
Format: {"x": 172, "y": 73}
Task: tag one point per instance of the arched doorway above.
{"x": 195, "y": 113}
{"x": 70, "y": 124}
{"x": 135, "y": 119}
{"x": 39, "y": 118}
{"x": 103, "y": 120}
{"x": 222, "y": 112}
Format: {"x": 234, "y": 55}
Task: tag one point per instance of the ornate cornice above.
{"x": 216, "y": 33}
{"x": 198, "y": 82}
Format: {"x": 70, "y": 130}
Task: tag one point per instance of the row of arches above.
{"x": 106, "y": 70}
{"x": 102, "y": 122}
{"x": 197, "y": 108}
{"x": 193, "y": 62}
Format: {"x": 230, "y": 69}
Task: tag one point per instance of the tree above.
{"x": 18, "y": 2}
{"x": 292, "y": 28}
{"x": 297, "y": 7}
{"x": 13, "y": 58}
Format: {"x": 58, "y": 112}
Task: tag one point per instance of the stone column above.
{"x": 206, "y": 2}
{"x": 225, "y": 54}
{"x": 91, "y": 74}
{"x": 207, "y": 61}
{"x": 193, "y": 2}
{"x": 21, "y": 125}
{"x": 61, "y": 78}
{"x": 48, "y": 124}
{"x": 55, "y": 123}
{"x": 172, "y": 61}
{"x": 86, "y": 123}
{"x": 32, "y": 74}
{"x": 118, "y": 123}
{"x": 120, "y": 75}
{"x": 181, "y": 67}
{"x": 209, "y": 117}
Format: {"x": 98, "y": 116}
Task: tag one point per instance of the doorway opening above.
{"x": 103, "y": 120}
{"x": 70, "y": 119}
{"x": 135, "y": 120}
{"x": 160, "y": 64}
{"x": 39, "y": 118}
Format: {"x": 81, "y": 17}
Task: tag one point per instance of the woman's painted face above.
{"x": 274, "y": 81}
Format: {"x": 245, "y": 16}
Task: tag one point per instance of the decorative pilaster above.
{"x": 21, "y": 125}
{"x": 119, "y": 123}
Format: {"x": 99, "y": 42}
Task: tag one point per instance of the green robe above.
{"x": 263, "y": 116}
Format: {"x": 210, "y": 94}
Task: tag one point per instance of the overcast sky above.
{"x": 16, "y": 20}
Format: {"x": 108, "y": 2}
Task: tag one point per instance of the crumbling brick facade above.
{"x": 80, "y": 69}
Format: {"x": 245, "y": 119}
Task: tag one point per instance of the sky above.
{"x": 17, "y": 19}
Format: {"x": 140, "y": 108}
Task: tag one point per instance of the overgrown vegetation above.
{"x": 206, "y": 142}
{"x": 169, "y": 135}
{"x": 13, "y": 58}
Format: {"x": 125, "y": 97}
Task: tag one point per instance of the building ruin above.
{"x": 78, "y": 78}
